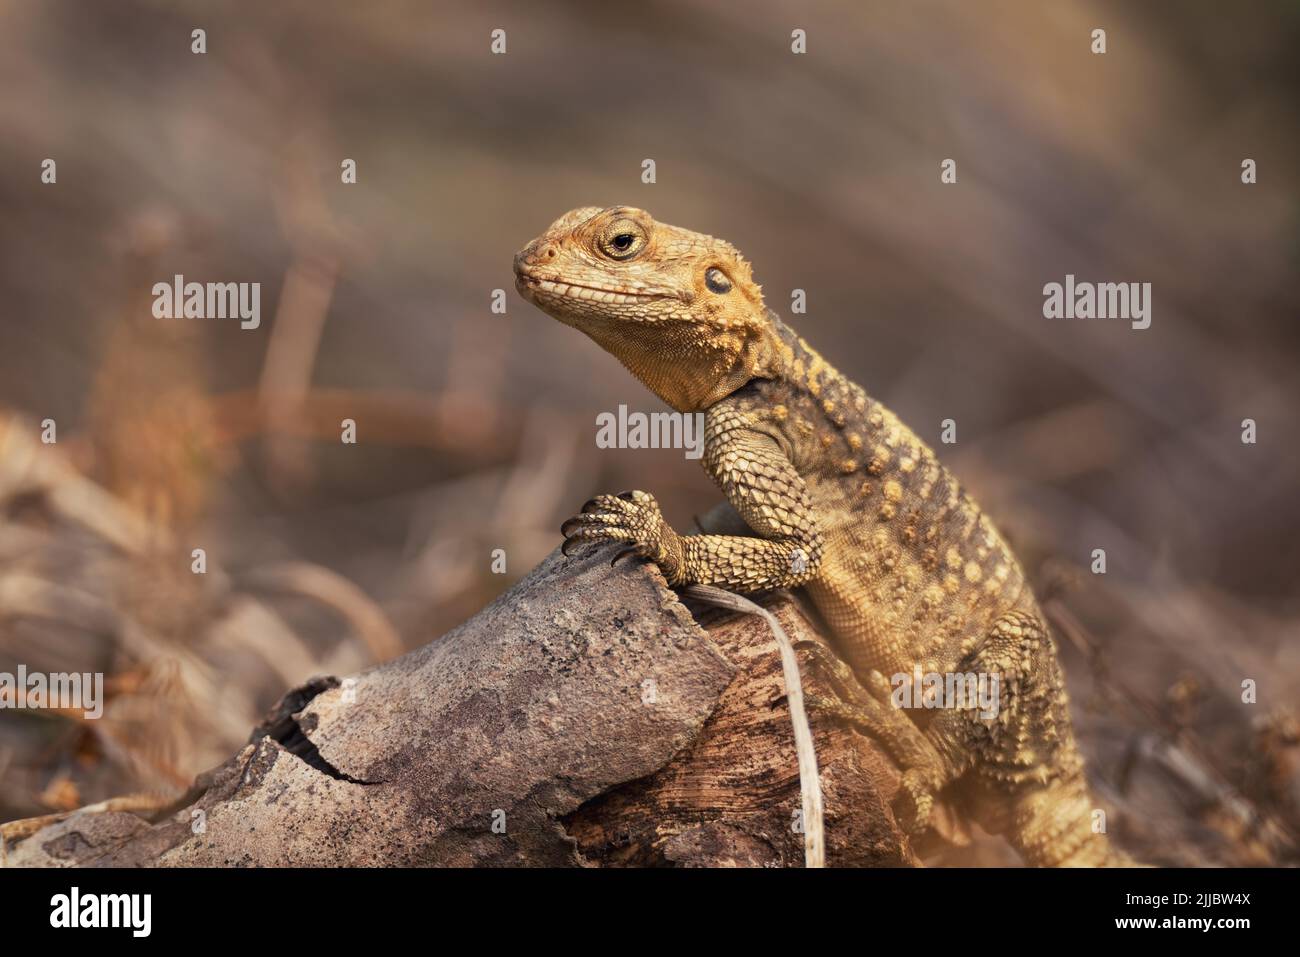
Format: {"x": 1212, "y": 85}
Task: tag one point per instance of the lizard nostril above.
{"x": 550, "y": 252}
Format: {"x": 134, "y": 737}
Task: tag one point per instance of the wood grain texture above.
{"x": 534, "y": 713}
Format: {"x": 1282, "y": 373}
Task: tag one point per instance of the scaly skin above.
{"x": 844, "y": 501}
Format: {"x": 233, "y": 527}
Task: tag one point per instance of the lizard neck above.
{"x": 690, "y": 367}
{"x": 802, "y": 370}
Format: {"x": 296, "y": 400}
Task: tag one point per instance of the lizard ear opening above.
{"x": 754, "y": 356}
{"x": 760, "y": 355}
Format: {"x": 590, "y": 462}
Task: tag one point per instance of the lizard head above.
{"x": 680, "y": 309}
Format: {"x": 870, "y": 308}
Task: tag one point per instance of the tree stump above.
{"x": 584, "y": 718}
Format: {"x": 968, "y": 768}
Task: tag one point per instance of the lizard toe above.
{"x": 914, "y": 802}
{"x": 625, "y": 551}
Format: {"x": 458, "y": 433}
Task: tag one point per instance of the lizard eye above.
{"x": 622, "y": 240}
{"x": 717, "y": 280}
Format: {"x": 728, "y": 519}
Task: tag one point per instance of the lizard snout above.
{"x": 536, "y": 253}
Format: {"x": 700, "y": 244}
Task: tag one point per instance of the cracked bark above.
{"x": 583, "y": 718}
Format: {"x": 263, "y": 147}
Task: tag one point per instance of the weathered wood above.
{"x": 731, "y": 797}
{"x": 583, "y": 718}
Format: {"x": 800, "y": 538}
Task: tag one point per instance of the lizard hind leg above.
{"x": 869, "y": 708}
{"x": 1030, "y": 784}
{"x": 1056, "y": 826}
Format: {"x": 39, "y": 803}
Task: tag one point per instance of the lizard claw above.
{"x": 624, "y": 552}
{"x": 914, "y": 802}
{"x": 634, "y": 521}
{"x": 569, "y": 544}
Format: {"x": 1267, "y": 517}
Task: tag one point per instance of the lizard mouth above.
{"x": 530, "y": 285}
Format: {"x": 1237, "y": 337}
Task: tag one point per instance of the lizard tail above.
{"x": 1061, "y": 826}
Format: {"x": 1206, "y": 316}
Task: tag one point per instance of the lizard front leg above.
{"x": 633, "y": 518}
{"x": 760, "y": 483}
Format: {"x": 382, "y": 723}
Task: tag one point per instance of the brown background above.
{"x": 477, "y": 430}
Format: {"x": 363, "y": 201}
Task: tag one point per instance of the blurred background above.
{"x": 476, "y": 430}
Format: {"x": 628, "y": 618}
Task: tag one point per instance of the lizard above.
{"x": 843, "y": 501}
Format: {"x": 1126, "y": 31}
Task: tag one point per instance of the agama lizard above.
{"x": 844, "y": 501}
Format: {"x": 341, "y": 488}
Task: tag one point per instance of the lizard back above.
{"x": 914, "y": 570}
